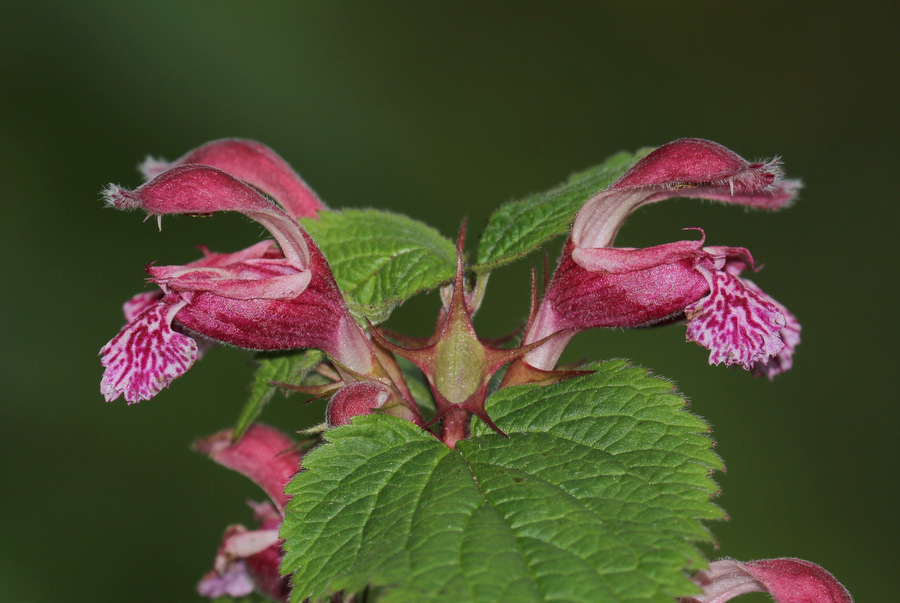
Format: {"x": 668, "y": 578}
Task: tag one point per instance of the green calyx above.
{"x": 456, "y": 362}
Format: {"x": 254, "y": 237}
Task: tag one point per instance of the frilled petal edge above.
{"x": 147, "y": 354}
{"x": 734, "y": 322}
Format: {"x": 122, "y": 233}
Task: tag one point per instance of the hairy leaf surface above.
{"x": 381, "y": 259}
{"x": 597, "y": 495}
{"x": 517, "y": 228}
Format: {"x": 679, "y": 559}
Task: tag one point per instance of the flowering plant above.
{"x": 450, "y": 467}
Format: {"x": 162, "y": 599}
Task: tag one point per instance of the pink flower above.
{"x": 249, "y": 560}
{"x": 787, "y": 580}
{"x": 266, "y": 297}
{"x": 599, "y": 286}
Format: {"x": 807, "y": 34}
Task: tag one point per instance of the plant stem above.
{"x": 454, "y": 426}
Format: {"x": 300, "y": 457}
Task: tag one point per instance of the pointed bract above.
{"x": 456, "y": 362}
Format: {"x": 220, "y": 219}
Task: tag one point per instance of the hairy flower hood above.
{"x": 788, "y": 580}
{"x": 688, "y": 167}
{"x": 254, "y": 163}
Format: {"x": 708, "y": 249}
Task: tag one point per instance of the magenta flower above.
{"x": 249, "y": 560}
{"x": 787, "y": 580}
{"x": 266, "y": 297}
{"x": 596, "y": 285}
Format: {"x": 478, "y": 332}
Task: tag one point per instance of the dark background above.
{"x": 439, "y": 111}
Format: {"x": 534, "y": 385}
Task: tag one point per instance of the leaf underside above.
{"x": 380, "y": 259}
{"x": 519, "y": 227}
{"x": 597, "y": 495}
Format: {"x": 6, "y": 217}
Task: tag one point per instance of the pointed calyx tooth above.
{"x": 458, "y": 364}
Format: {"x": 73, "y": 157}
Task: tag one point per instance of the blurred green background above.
{"x": 438, "y": 110}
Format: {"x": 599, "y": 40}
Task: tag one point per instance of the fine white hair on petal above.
{"x": 120, "y": 198}
{"x": 110, "y": 193}
{"x": 773, "y": 166}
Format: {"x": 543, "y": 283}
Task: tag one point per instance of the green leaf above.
{"x": 597, "y": 496}
{"x": 380, "y": 259}
{"x": 519, "y": 227}
{"x": 274, "y": 367}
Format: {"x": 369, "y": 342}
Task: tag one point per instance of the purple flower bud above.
{"x": 354, "y": 399}
{"x": 366, "y": 398}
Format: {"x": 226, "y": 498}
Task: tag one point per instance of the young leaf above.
{"x": 597, "y": 496}
{"x": 274, "y": 367}
{"x": 381, "y": 259}
{"x": 519, "y": 227}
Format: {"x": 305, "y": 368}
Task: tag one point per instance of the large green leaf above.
{"x": 519, "y": 227}
{"x": 381, "y": 259}
{"x": 597, "y": 496}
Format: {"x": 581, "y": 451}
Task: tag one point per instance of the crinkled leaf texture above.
{"x": 597, "y": 495}
{"x": 519, "y": 227}
{"x": 380, "y": 259}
